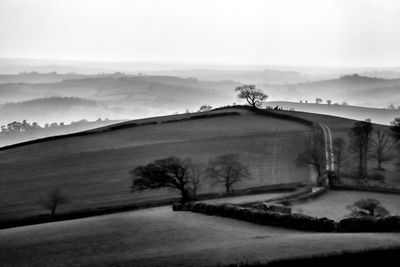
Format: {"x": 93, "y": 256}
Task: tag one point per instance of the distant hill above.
{"x": 354, "y": 89}
{"x": 53, "y": 109}
{"x": 380, "y": 116}
{"x": 268, "y": 76}
{"x": 133, "y": 96}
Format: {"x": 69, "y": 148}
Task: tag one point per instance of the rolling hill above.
{"x": 377, "y": 115}
{"x": 92, "y": 168}
{"x": 354, "y": 89}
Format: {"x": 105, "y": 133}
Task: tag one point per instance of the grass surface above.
{"x": 333, "y": 203}
{"x": 160, "y": 237}
{"x": 93, "y": 170}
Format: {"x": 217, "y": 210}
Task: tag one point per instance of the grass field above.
{"x": 93, "y": 169}
{"x": 333, "y": 203}
{"x": 160, "y": 237}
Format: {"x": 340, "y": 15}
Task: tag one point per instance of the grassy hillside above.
{"x": 160, "y": 237}
{"x": 93, "y": 169}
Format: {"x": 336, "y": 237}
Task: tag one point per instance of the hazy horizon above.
{"x": 311, "y": 33}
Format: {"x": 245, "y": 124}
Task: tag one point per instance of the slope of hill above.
{"x": 377, "y": 115}
{"x": 158, "y": 237}
{"x": 93, "y": 169}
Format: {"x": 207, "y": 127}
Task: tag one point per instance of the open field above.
{"x": 160, "y": 237}
{"x": 93, "y": 169}
{"x": 333, "y": 203}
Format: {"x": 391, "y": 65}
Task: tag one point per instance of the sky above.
{"x": 357, "y": 33}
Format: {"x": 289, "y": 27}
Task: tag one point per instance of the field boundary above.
{"x": 366, "y": 188}
{"x": 294, "y": 221}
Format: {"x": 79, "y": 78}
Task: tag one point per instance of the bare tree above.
{"x": 339, "y": 146}
{"x": 360, "y": 144}
{"x": 381, "y": 148}
{"x": 227, "y": 170}
{"x": 251, "y": 94}
{"x": 314, "y": 155}
{"x": 52, "y": 200}
{"x": 196, "y": 172}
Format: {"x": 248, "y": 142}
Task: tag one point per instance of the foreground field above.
{"x": 93, "y": 169}
{"x": 160, "y": 237}
{"x": 333, "y": 203}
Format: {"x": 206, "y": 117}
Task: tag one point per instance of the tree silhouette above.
{"x": 52, "y": 200}
{"x": 360, "y": 144}
{"x": 227, "y": 170}
{"x": 251, "y": 94}
{"x": 339, "y": 146}
{"x": 381, "y": 148}
{"x": 171, "y": 172}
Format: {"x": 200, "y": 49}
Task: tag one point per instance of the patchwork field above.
{"x": 93, "y": 169}
{"x": 333, "y": 203}
{"x": 160, "y": 237}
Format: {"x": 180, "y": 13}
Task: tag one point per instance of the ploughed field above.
{"x": 93, "y": 169}
{"x": 333, "y": 203}
{"x": 160, "y": 237}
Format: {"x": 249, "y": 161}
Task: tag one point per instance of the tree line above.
{"x": 365, "y": 144}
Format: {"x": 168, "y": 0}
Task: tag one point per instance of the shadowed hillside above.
{"x": 93, "y": 169}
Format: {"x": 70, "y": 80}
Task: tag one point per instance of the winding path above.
{"x": 328, "y": 147}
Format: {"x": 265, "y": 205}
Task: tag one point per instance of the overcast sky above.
{"x": 301, "y": 32}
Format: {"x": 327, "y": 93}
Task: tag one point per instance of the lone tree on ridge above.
{"x": 251, "y": 94}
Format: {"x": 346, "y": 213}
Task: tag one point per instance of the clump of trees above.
{"x": 186, "y": 175}
{"x": 52, "y": 200}
{"x": 367, "y": 208}
{"x": 205, "y": 108}
{"x": 360, "y": 144}
{"x": 251, "y": 94}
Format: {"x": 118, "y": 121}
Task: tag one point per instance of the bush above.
{"x": 367, "y": 207}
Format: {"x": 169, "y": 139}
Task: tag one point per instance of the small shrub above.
{"x": 367, "y": 207}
